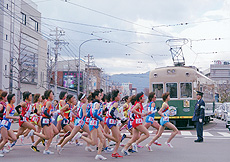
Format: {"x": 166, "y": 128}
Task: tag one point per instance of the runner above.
{"x": 3, "y": 100}
{"x": 93, "y": 126}
{"x": 137, "y": 124}
{"x": 5, "y": 125}
{"x": 49, "y": 129}
{"x": 65, "y": 117}
{"x": 26, "y": 109}
{"x": 112, "y": 122}
{"x": 149, "y": 121}
{"x": 164, "y": 122}
{"x": 62, "y": 97}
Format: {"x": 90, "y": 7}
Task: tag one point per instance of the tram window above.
{"x": 158, "y": 89}
{"x": 172, "y": 89}
{"x": 186, "y": 90}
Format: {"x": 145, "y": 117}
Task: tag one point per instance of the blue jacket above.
{"x": 199, "y": 110}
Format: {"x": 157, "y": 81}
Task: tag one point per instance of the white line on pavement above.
{"x": 225, "y": 134}
{"x": 186, "y": 133}
{"x": 207, "y": 134}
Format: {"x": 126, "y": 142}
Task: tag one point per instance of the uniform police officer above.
{"x": 198, "y": 116}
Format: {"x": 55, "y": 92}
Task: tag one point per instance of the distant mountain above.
{"x": 139, "y": 81}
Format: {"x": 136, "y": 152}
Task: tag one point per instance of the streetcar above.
{"x": 182, "y": 82}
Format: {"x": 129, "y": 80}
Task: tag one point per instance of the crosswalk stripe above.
{"x": 207, "y": 134}
{"x": 225, "y": 134}
{"x": 166, "y": 134}
{"x": 186, "y": 133}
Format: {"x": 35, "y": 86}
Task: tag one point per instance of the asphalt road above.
{"x": 215, "y": 148}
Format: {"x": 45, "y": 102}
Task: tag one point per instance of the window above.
{"x": 158, "y": 89}
{"x": 33, "y": 24}
{"x": 172, "y": 89}
{"x": 7, "y": 6}
{"x": 186, "y": 90}
{"x": 6, "y": 36}
{"x": 23, "y": 18}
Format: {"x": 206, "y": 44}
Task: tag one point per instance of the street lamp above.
{"x": 79, "y": 63}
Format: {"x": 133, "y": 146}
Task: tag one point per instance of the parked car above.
{"x": 218, "y": 112}
{"x": 227, "y": 116}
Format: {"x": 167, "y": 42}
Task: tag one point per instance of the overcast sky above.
{"x": 138, "y": 31}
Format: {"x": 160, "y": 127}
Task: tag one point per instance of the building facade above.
{"x": 23, "y": 51}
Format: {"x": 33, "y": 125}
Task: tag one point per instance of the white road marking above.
{"x": 207, "y": 134}
{"x": 166, "y": 134}
{"x": 186, "y": 133}
{"x": 225, "y": 134}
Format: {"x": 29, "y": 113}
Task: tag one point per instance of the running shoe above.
{"x": 22, "y": 139}
{"x": 3, "y": 151}
{"x": 78, "y": 144}
{"x": 112, "y": 143}
{"x": 31, "y": 133}
{"x": 156, "y": 143}
{"x": 1, "y": 155}
{"x": 47, "y": 152}
{"x": 59, "y": 149}
{"x": 149, "y": 148}
{"x": 100, "y": 157}
{"x": 134, "y": 145}
{"x": 87, "y": 148}
{"x": 139, "y": 146}
{"x": 116, "y": 156}
{"x": 35, "y": 149}
{"x": 58, "y": 137}
{"x": 169, "y": 144}
{"x": 131, "y": 150}
{"x": 123, "y": 137}
{"x": 44, "y": 142}
{"x": 12, "y": 144}
{"x": 108, "y": 150}
{"x": 125, "y": 152}
{"x": 77, "y": 136}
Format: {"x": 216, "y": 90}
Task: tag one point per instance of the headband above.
{"x": 142, "y": 96}
{"x": 83, "y": 96}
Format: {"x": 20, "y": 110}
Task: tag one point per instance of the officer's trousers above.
{"x": 199, "y": 130}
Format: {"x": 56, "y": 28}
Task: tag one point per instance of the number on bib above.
{"x": 5, "y": 122}
{"x": 112, "y": 121}
{"x": 93, "y": 122}
{"x": 139, "y": 121}
{"x": 151, "y": 119}
{"x": 166, "y": 118}
{"x": 46, "y": 121}
{"x": 87, "y": 120}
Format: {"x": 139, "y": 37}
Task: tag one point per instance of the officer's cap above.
{"x": 199, "y": 93}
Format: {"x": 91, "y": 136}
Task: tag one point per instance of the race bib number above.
{"x": 166, "y": 118}
{"x": 151, "y": 119}
{"x": 46, "y": 121}
{"x": 112, "y": 121}
{"x": 87, "y": 120}
{"x": 93, "y": 122}
{"x": 131, "y": 123}
{"x": 5, "y": 122}
{"x": 65, "y": 121}
{"x": 139, "y": 121}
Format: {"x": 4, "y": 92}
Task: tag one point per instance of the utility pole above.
{"x": 57, "y": 43}
{"x": 90, "y": 58}
{"x": 11, "y": 45}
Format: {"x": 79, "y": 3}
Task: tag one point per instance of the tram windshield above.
{"x": 186, "y": 90}
{"x": 158, "y": 89}
{"x": 172, "y": 89}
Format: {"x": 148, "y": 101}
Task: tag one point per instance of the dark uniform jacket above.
{"x": 199, "y": 111}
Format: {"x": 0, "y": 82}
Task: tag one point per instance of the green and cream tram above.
{"x": 182, "y": 83}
